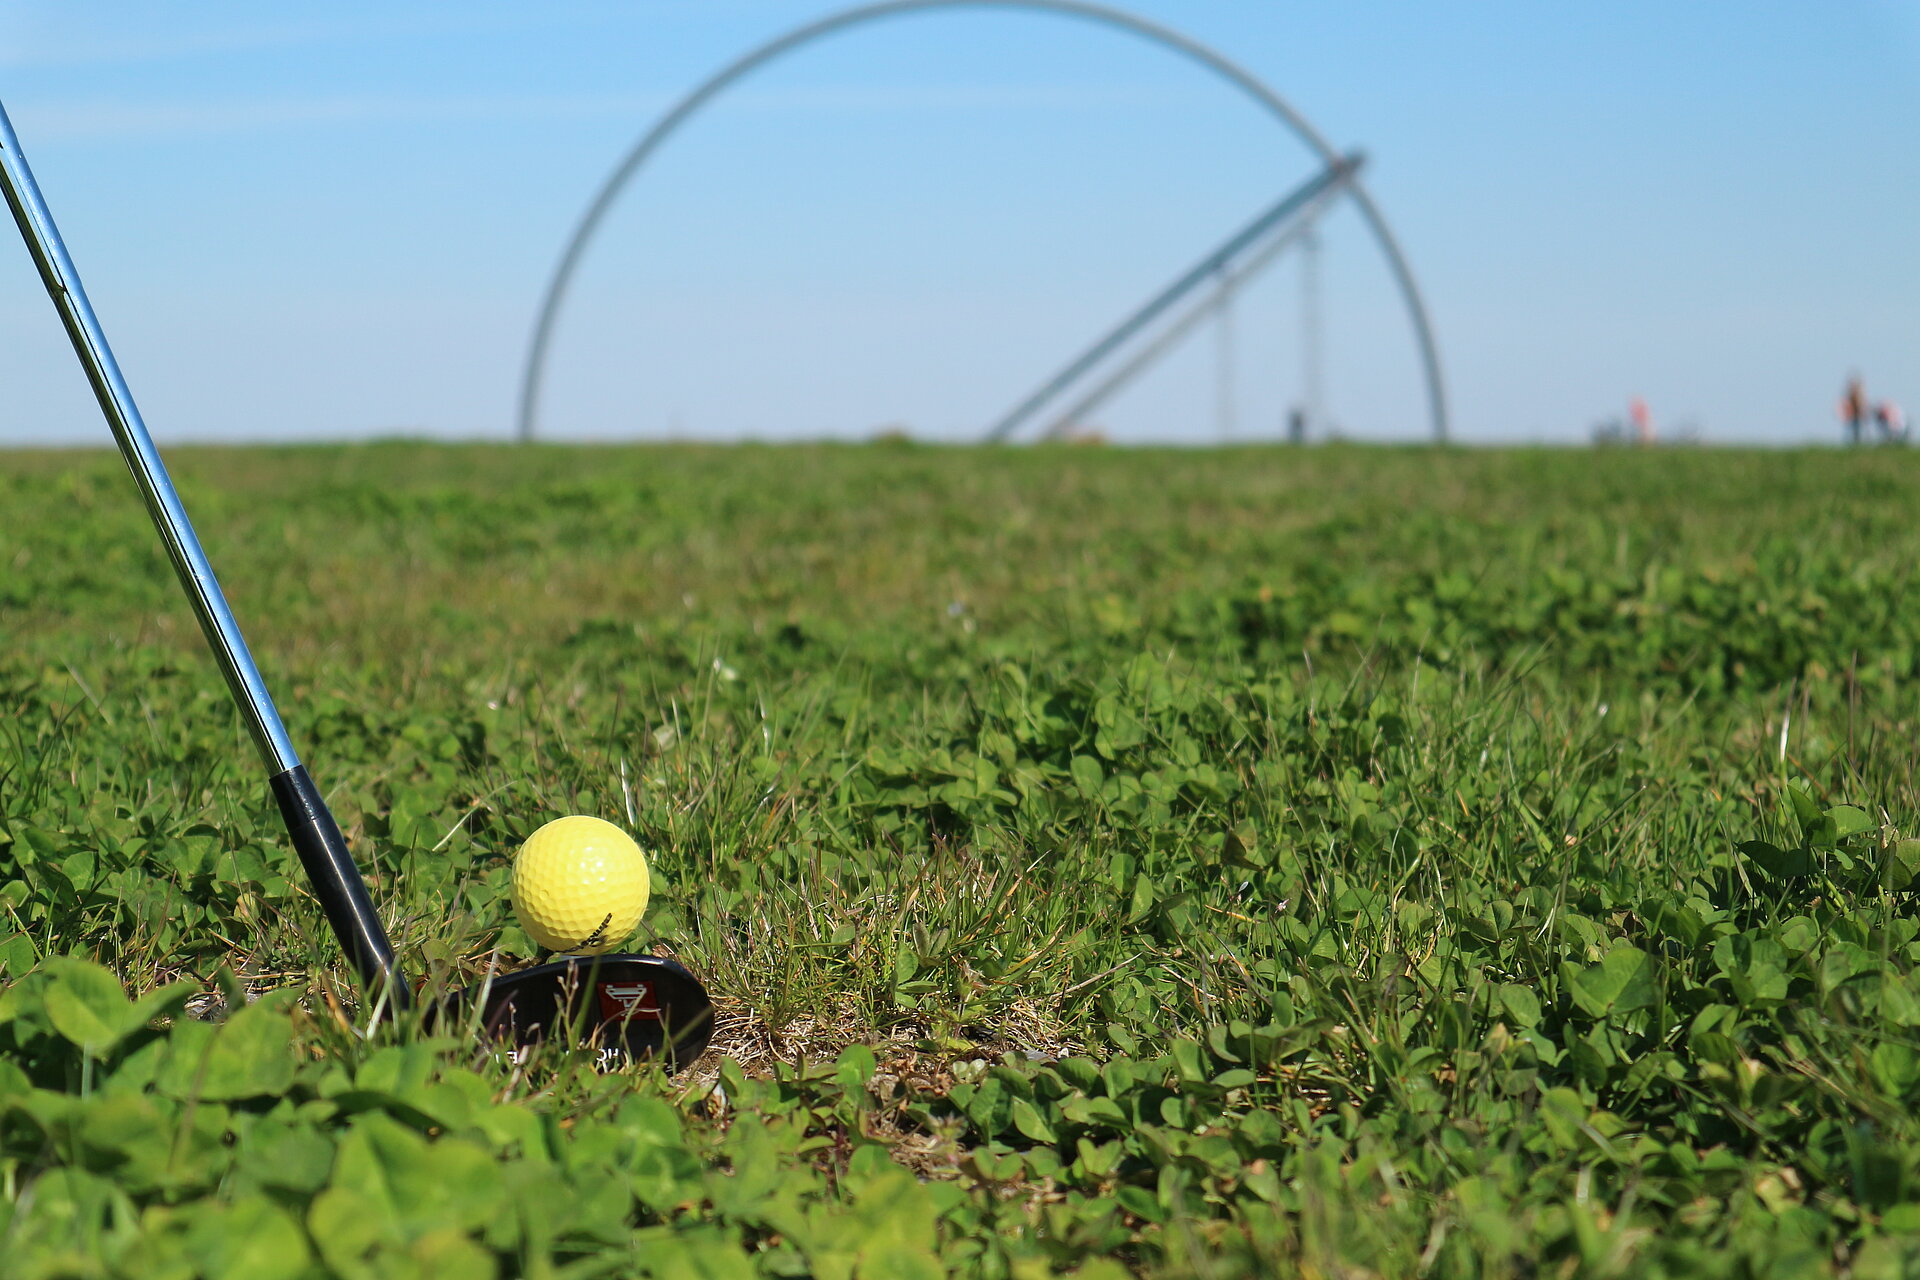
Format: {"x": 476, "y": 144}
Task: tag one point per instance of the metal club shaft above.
{"x": 169, "y": 517}
{"x": 316, "y": 837}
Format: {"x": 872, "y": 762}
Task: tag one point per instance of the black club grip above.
{"x": 336, "y": 882}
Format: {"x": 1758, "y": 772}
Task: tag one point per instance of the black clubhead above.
{"x": 628, "y": 1008}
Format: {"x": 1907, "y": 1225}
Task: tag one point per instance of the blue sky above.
{"x": 336, "y": 222}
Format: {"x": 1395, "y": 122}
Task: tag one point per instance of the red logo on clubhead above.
{"x": 628, "y": 1002}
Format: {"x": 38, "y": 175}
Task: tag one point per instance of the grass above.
{"x": 1336, "y": 862}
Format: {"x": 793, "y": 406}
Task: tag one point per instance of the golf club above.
{"x": 622, "y": 1006}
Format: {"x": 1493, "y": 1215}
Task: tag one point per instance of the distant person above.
{"x": 1892, "y": 421}
{"x": 1642, "y": 420}
{"x": 1853, "y": 408}
{"x": 1296, "y": 425}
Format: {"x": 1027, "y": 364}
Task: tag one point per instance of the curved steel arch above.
{"x": 1100, "y": 14}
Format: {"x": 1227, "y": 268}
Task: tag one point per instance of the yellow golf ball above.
{"x": 579, "y": 885}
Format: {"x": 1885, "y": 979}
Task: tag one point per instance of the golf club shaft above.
{"x": 316, "y": 836}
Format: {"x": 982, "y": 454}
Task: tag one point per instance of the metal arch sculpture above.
{"x": 1100, "y": 14}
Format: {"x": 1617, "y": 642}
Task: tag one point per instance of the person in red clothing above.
{"x": 1853, "y": 408}
{"x": 1642, "y": 420}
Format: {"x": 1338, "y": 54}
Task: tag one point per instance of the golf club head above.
{"x": 625, "y": 1008}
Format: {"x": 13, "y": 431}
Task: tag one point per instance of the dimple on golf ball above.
{"x": 579, "y": 885}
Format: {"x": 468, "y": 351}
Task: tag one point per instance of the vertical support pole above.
{"x": 1312, "y": 382}
{"x": 1225, "y": 389}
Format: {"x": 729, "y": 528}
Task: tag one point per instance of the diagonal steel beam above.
{"x": 1336, "y": 175}
{"x": 1233, "y": 278}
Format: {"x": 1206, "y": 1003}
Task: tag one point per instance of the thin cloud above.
{"x": 117, "y": 119}
{"x": 95, "y": 44}
{"x": 113, "y": 120}
{"x": 966, "y": 97}
{"x": 48, "y": 51}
